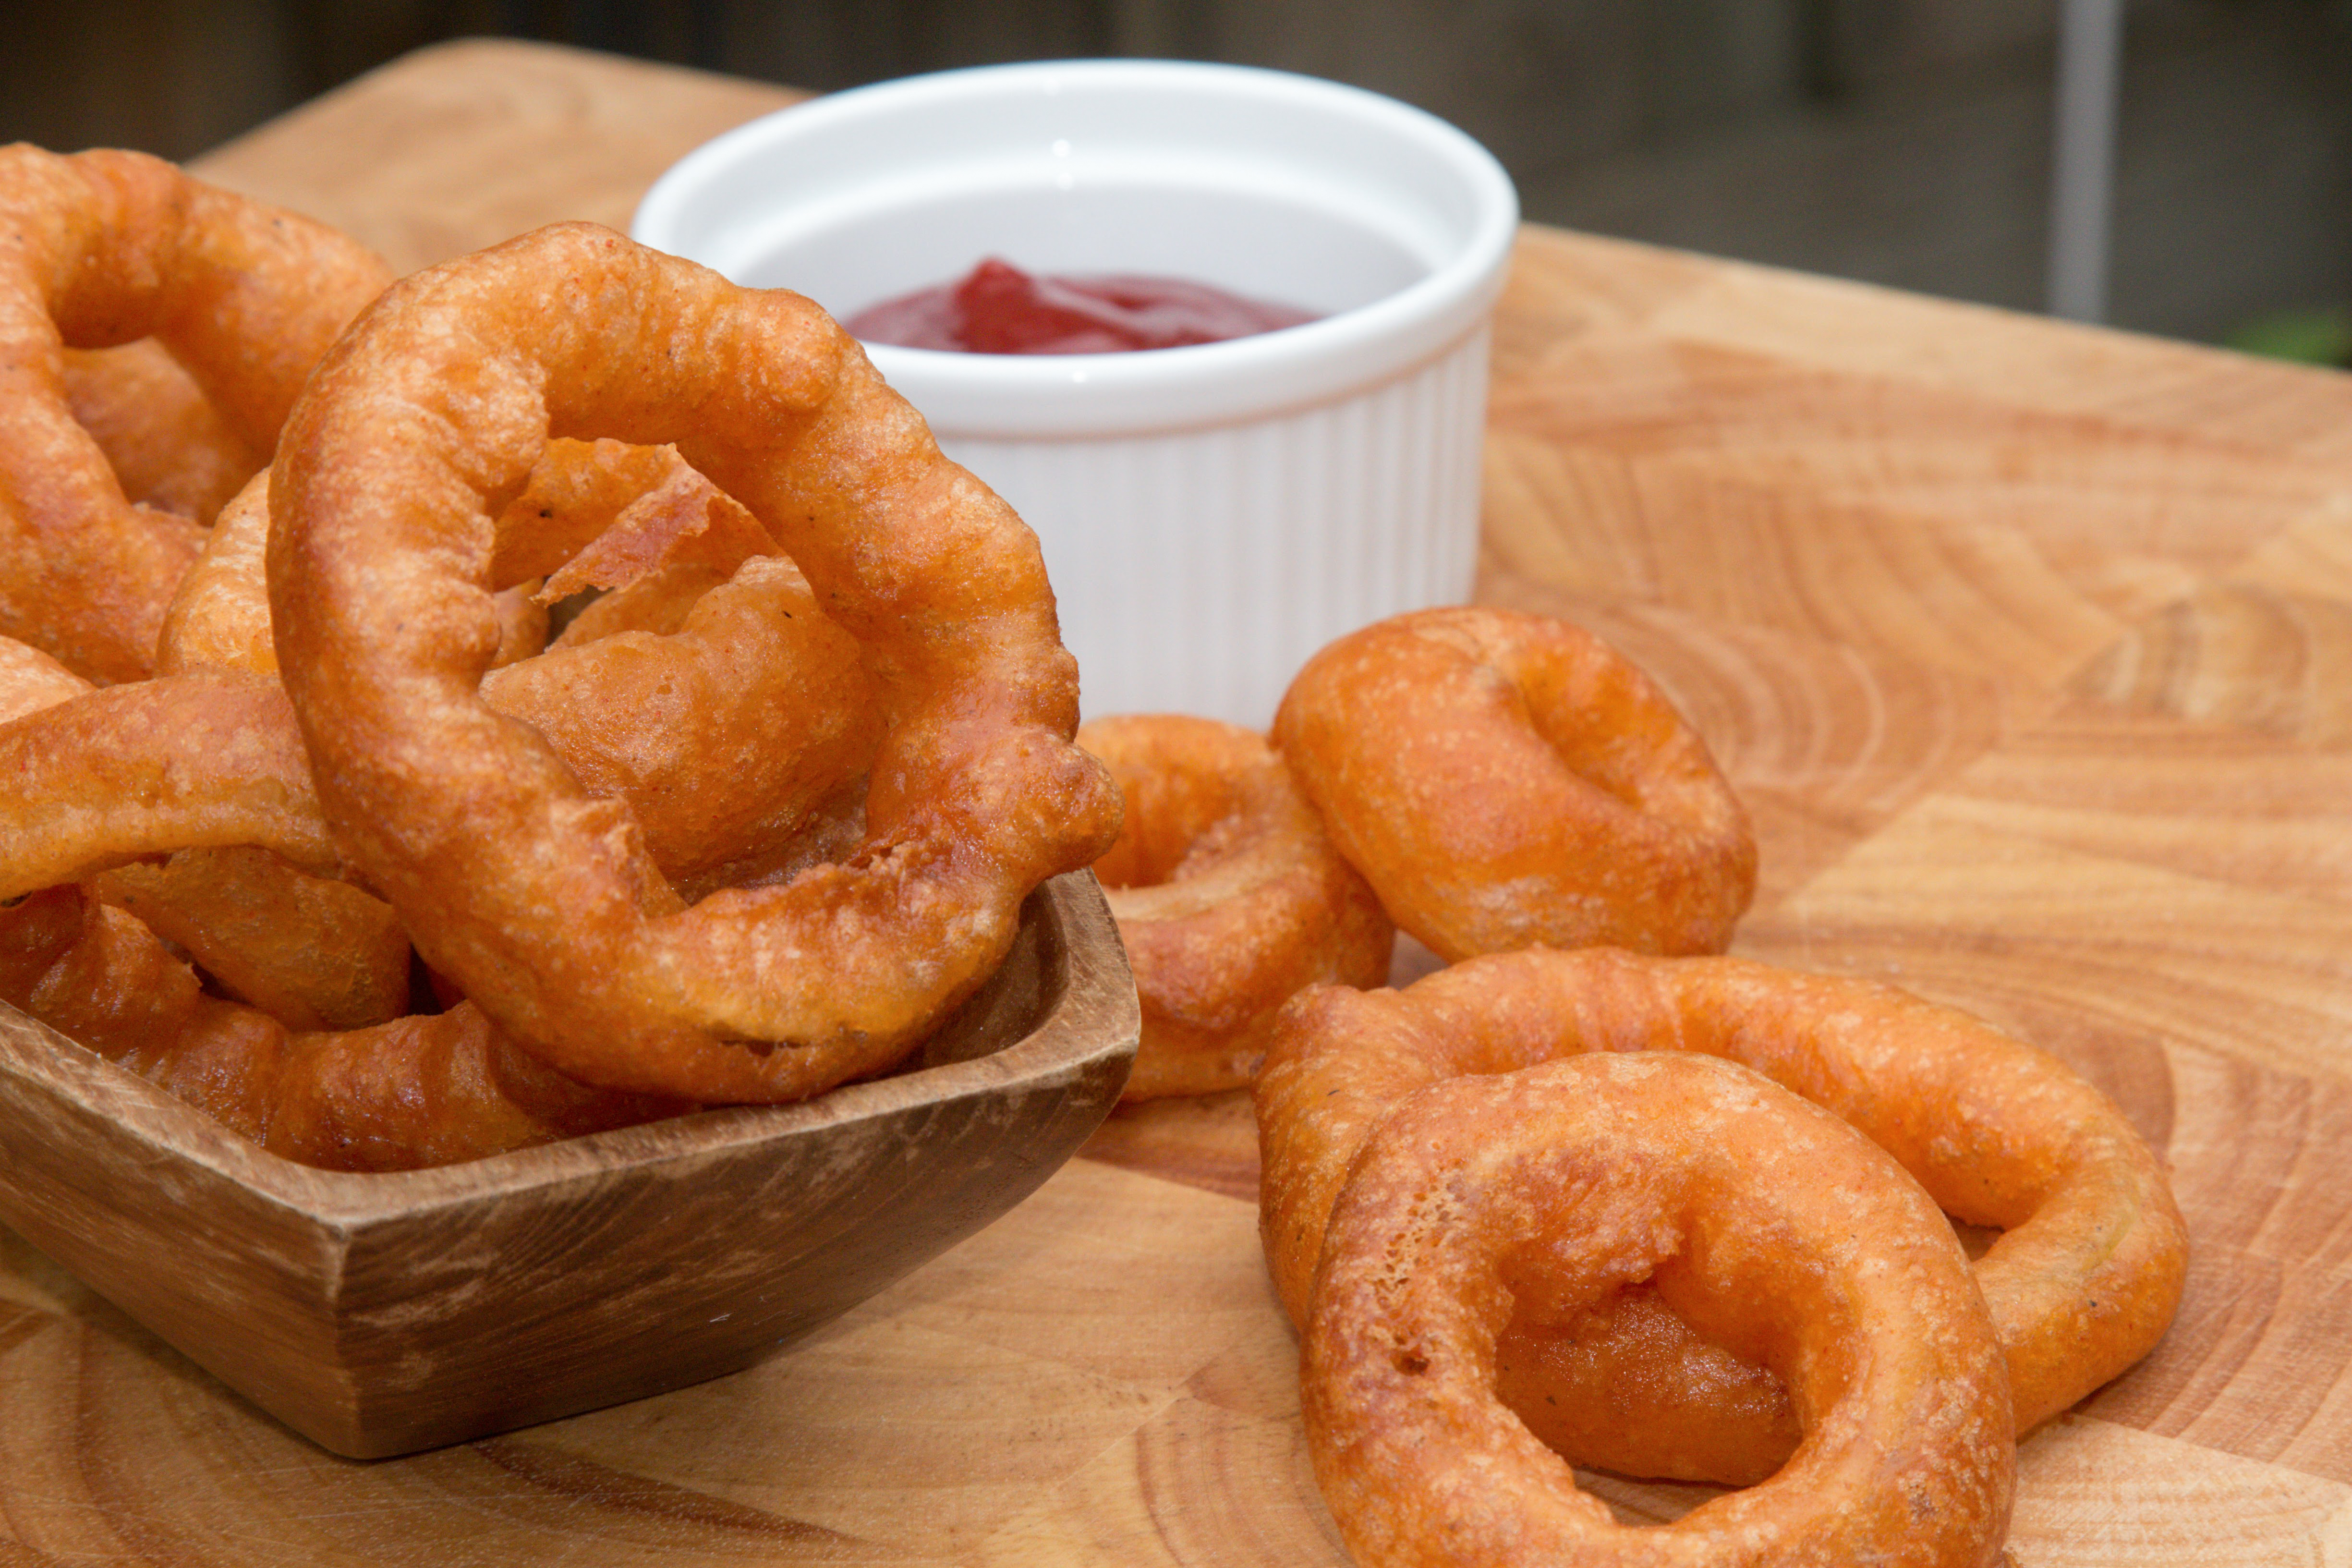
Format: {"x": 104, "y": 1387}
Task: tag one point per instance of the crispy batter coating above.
{"x": 212, "y": 756}
{"x": 219, "y": 616}
{"x": 726, "y": 737}
{"x": 1761, "y": 1217}
{"x": 104, "y": 248}
{"x": 312, "y": 953}
{"x": 1505, "y": 779}
{"x": 540, "y": 900}
{"x": 425, "y": 1089}
{"x": 169, "y": 448}
{"x": 205, "y": 759}
{"x": 576, "y": 491}
{"x": 31, "y": 680}
{"x": 676, "y": 518}
{"x": 1228, "y": 895}
{"x": 667, "y": 547}
{"x": 2081, "y": 1283}
{"x": 1626, "y": 1378}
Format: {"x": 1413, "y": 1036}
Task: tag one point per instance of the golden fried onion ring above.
{"x": 539, "y": 900}
{"x": 1228, "y": 895}
{"x": 1505, "y": 779}
{"x": 312, "y": 953}
{"x": 206, "y": 759}
{"x": 2081, "y": 1283}
{"x": 1760, "y": 1217}
{"x": 103, "y": 248}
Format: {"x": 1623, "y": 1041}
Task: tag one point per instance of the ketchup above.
{"x": 997, "y": 308}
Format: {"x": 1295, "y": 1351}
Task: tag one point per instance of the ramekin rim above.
{"x": 1112, "y": 393}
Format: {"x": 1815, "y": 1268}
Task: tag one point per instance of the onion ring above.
{"x": 205, "y": 759}
{"x": 1228, "y": 895}
{"x": 102, "y": 248}
{"x": 727, "y": 738}
{"x": 312, "y": 953}
{"x": 539, "y": 900}
{"x": 1504, "y": 780}
{"x": 1759, "y": 1215}
{"x": 425, "y": 1089}
{"x": 2081, "y": 1283}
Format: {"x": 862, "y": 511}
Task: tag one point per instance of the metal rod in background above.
{"x": 2082, "y": 174}
{"x": 1146, "y": 30}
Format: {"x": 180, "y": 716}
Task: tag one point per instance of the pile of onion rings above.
{"x": 1493, "y": 1203}
{"x": 2080, "y": 1283}
{"x": 323, "y": 822}
{"x": 1484, "y": 779}
{"x": 1593, "y": 1195}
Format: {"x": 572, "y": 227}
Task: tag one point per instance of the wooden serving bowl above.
{"x": 380, "y": 1314}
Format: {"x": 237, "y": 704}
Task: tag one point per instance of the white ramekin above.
{"x": 1213, "y": 515}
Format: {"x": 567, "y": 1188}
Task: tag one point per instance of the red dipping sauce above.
{"x": 997, "y": 308}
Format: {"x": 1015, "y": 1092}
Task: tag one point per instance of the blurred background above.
{"x": 1902, "y": 141}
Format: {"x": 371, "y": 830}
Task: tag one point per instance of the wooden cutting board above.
{"x": 2031, "y": 647}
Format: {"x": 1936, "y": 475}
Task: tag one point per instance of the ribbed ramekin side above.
{"x": 1197, "y": 570}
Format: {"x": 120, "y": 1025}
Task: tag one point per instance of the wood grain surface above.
{"x": 2031, "y": 647}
